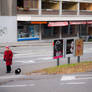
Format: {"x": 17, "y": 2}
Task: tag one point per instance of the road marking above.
{"x": 47, "y": 58}
{"x": 10, "y": 86}
{"x": 76, "y": 77}
{"x": 65, "y": 78}
{"x": 30, "y": 61}
{"x": 74, "y": 83}
{"x": 12, "y": 76}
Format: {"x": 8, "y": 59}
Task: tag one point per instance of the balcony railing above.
{"x": 69, "y": 12}
{"x": 50, "y": 12}
{"x": 85, "y": 12}
{"x": 27, "y": 11}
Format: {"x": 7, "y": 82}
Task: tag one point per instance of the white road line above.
{"x": 10, "y": 86}
{"x": 74, "y": 83}
{"x": 12, "y": 76}
{"x": 65, "y": 78}
{"x": 31, "y": 61}
{"x": 47, "y": 58}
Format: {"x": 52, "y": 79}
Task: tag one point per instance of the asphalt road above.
{"x": 34, "y": 57}
{"x": 52, "y": 83}
{"x": 30, "y": 58}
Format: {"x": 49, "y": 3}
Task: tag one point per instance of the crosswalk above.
{"x": 76, "y": 77}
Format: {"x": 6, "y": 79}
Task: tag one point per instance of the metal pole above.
{"x": 68, "y": 60}
{"x": 58, "y": 62}
{"x": 78, "y": 59}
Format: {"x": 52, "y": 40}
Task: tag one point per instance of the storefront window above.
{"x": 69, "y": 31}
{"x": 49, "y": 32}
{"x": 27, "y": 30}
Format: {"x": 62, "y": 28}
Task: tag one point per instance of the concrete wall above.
{"x": 8, "y": 29}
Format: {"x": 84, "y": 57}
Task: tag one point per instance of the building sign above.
{"x": 38, "y": 22}
{"x": 24, "y": 18}
{"x": 89, "y": 22}
{"x": 69, "y": 47}
{"x": 51, "y": 24}
{"x": 79, "y": 47}
{"x": 77, "y": 22}
{"x": 58, "y": 49}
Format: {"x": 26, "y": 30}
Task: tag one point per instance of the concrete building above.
{"x": 47, "y": 19}
{"x": 8, "y": 21}
{"x": 50, "y": 19}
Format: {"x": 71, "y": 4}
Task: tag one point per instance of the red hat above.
{"x": 7, "y": 47}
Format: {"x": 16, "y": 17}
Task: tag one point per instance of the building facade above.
{"x": 47, "y": 19}
{"x": 8, "y": 21}
{"x": 50, "y": 19}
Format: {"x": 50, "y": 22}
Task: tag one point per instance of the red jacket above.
{"x": 8, "y": 57}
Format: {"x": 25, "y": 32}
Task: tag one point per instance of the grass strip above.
{"x": 67, "y": 68}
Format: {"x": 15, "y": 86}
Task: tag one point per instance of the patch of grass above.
{"x": 67, "y": 68}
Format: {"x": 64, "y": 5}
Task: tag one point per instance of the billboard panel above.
{"x": 58, "y": 49}
{"x": 79, "y": 47}
{"x": 69, "y": 47}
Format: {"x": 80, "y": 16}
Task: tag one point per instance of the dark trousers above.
{"x": 8, "y": 68}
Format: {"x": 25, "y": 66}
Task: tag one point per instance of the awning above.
{"x": 39, "y": 22}
{"x": 89, "y": 22}
{"x": 51, "y": 24}
{"x": 77, "y": 22}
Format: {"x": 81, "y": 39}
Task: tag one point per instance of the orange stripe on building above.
{"x": 39, "y": 22}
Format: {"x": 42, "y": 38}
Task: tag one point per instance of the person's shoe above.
{"x": 8, "y": 72}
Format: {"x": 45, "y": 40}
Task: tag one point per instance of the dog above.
{"x": 17, "y": 71}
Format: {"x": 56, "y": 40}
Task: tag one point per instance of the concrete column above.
{"x": 60, "y": 7}
{"x": 4, "y": 7}
{"x": 78, "y": 8}
{"x": 9, "y": 4}
{"x": 14, "y": 9}
{"x": 8, "y": 7}
{"x": 40, "y": 7}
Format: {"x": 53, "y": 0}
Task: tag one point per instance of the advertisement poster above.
{"x": 69, "y": 47}
{"x": 58, "y": 49}
{"x": 79, "y": 47}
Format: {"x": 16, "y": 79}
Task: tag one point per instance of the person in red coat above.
{"x": 8, "y": 55}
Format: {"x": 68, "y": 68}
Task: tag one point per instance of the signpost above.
{"x": 58, "y": 50}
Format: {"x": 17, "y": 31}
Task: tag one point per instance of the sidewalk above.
{"x": 31, "y": 43}
{"x": 27, "y": 43}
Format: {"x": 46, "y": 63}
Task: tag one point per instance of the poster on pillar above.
{"x": 58, "y": 49}
{"x": 79, "y": 47}
{"x": 69, "y": 48}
